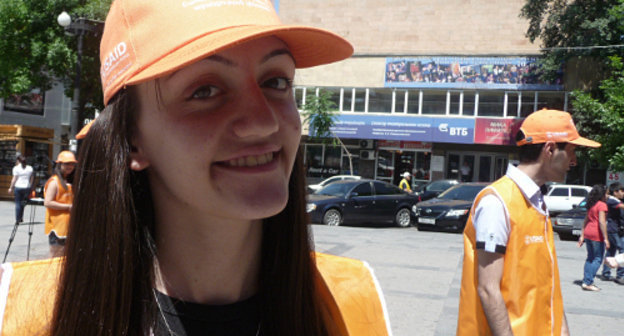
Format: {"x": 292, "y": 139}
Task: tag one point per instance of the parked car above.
{"x": 569, "y": 224}
{"x": 433, "y": 189}
{"x": 448, "y": 211}
{"x": 361, "y": 201}
{"x": 562, "y": 197}
{"x": 314, "y": 187}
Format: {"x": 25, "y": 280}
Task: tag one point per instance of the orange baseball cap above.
{"x": 84, "y": 130}
{"x": 552, "y": 125}
{"x": 146, "y": 39}
{"x": 66, "y": 157}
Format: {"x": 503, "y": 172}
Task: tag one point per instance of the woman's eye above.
{"x": 278, "y": 83}
{"x": 205, "y": 91}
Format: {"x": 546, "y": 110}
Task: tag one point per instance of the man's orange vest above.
{"x": 58, "y": 220}
{"x": 347, "y": 286}
{"x": 530, "y": 283}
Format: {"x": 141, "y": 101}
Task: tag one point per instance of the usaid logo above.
{"x": 119, "y": 51}
{"x": 533, "y": 239}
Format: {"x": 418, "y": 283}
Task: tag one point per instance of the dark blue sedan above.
{"x": 359, "y": 202}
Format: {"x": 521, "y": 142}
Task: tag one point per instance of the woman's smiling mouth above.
{"x": 251, "y": 160}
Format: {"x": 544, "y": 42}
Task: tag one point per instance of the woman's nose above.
{"x": 256, "y": 115}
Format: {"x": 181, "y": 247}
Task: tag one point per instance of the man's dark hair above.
{"x": 615, "y": 186}
{"x": 530, "y": 153}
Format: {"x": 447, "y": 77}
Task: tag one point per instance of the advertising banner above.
{"x": 496, "y": 131}
{"x": 514, "y": 73}
{"x": 405, "y": 128}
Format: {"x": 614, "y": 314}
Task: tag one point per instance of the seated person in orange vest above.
{"x": 58, "y": 198}
{"x": 189, "y": 215}
{"x": 509, "y": 253}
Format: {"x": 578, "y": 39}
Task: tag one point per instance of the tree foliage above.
{"x": 570, "y": 26}
{"x": 319, "y": 113}
{"x": 586, "y": 29}
{"x": 604, "y": 117}
{"x": 35, "y": 50}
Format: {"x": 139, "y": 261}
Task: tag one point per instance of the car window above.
{"x": 439, "y": 186}
{"x": 330, "y": 180}
{"x": 462, "y": 192}
{"x": 579, "y": 192}
{"x": 386, "y": 189}
{"x": 363, "y": 189}
{"x": 559, "y": 192}
{"x": 336, "y": 189}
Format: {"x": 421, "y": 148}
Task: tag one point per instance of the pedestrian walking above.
{"x": 21, "y": 184}
{"x": 58, "y": 196}
{"x": 594, "y": 235}
{"x": 510, "y": 279}
{"x": 190, "y": 215}
{"x": 614, "y": 223}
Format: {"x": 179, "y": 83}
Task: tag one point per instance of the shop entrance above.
{"x": 475, "y": 167}
{"x": 391, "y": 164}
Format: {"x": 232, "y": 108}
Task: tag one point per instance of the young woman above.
{"x": 20, "y": 186}
{"x": 594, "y": 235}
{"x": 58, "y": 197}
{"x": 189, "y": 214}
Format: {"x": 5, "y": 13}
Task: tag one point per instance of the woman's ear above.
{"x": 138, "y": 161}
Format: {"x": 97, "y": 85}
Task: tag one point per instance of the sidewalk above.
{"x": 39, "y": 243}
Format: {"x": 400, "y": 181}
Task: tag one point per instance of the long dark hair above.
{"x": 106, "y": 284}
{"x": 22, "y": 160}
{"x": 63, "y": 180}
{"x": 596, "y": 194}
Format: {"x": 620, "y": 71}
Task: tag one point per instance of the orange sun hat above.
{"x": 552, "y": 125}
{"x": 146, "y": 39}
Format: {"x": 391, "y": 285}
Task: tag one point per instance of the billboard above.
{"x": 405, "y": 128}
{"x": 496, "y": 131}
{"x": 451, "y": 72}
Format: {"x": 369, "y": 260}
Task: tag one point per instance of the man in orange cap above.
{"x": 510, "y": 280}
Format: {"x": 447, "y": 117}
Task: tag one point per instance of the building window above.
{"x": 551, "y": 100}
{"x": 456, "y": 102}
{"x": 527, "y": 105}
{"x": 360, "y": 100}
{"x": 300, "y": 93}
{"x": 380, "y": 100}
{"x": 468, "y": 108}
{"x": 413, "y": 101}
{"x": 491, "y": 103}
{"x": 513, "y": 103}
{"x": 434, "y": 102}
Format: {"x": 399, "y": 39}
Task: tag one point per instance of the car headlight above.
{"x": 456, "y": 213}
{"x": 414, "y": 209}
{"x": 310, "y": 207}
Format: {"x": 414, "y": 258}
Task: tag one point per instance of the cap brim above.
{"x": 580, "y": 141}
{"x": 309, "y": 47}
{"x": 83, "y": 132}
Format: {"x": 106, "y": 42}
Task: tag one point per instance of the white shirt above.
{"x": 23, "y": 176}
{"x": 491, "y": 220}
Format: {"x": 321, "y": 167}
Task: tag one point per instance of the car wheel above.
{"x": 403, "y": 218}
{"x": 332, "y": 217}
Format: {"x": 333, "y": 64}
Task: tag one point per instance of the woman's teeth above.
{"x": 252, "y": 160}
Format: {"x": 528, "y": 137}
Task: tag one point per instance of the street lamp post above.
{"x": 78, "y": 27}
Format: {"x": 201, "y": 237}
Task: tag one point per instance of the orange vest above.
{"x": 58, "y": 220}
{"x": 347, "y": 286}
{"x": 530, "y": 283}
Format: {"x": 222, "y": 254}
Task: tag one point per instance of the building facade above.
{"x": 434, "y": 88}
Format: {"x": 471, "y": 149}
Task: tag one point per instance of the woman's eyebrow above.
{"x": 277, "y": 52}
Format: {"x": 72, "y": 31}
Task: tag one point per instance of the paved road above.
{"x": 419, "y": 272}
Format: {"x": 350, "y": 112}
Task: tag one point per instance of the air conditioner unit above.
{"x": 367, "y": 144}
{"x": 367, "y": 155}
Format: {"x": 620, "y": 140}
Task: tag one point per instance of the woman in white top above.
{"x": 20, "y": 185}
